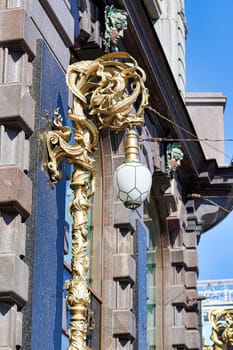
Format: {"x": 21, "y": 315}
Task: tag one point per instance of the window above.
{"x": 154, "y": 277}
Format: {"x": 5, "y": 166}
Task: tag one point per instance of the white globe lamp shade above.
{"x": 132, "y": 181}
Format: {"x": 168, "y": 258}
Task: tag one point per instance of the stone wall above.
{"x": 22, "y": 23}
{"x": 207, "y": 109}
{"x": 171, "y": 28}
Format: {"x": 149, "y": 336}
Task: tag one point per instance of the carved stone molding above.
{"x": 15, "y": 188}
{"x": 17, "y": 30}
{"x": 124, "y": 268}
{"x": 124, "y": 324}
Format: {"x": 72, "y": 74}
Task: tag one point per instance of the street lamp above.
{"x": 132, "y": 179}
{"x": 105, "y": 93}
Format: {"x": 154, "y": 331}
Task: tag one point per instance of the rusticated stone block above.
{"x": 13, "y": 279}
{"x": 15, "y": 189}
{"x": 178, "y": 335}
{"x": 10, "y": 327}
{"x": 124, "y": 267}
{"x": 190, "y": 259}
{"x": 21, "y": 111}
{"x": 122, "y": 217}
{"x": 14, "y": 147}
{"x": 177, "y": 256}
{"x": 13, "y": 234}
{"x": 17, "y": 30}
{"x": 124, "y": 324}
{"x": 177, "y": 294}
{"x": 191, "y": 320}
{"x": 192, "y": 339}
{"x": 188, "y": 338}
{"x": 190, "y": 239}
{"x": 190, "y": 279}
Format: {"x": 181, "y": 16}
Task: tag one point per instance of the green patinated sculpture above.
{"x": 115, "y": 23}
{"x": 174, "y": 155}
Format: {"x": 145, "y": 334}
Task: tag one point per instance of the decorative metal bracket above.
{"x": 222, "y": 328}
{"x": 104, "y": 92}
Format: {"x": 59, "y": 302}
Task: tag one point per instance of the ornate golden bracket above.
{"x": 222, "y": 328}
{"x": 104, "y": 93}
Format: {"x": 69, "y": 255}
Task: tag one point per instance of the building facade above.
{"x": 143, "y": 263}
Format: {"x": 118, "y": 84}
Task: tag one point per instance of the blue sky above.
{"x": 209, "y": 68}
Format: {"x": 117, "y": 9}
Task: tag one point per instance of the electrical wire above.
{"x": 217, "y": 205}
{"x": 162, "y": 139}
{"x": 198, "y": 196}
{"x": 188, "y": 132}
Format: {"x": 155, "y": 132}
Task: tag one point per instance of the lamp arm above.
{"x": 104, "y": 93}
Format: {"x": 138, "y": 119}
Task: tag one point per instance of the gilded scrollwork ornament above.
{"x": 107, "y": 89}
{"x": 105, "y": 93}
{"x": 222, "y": 328}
